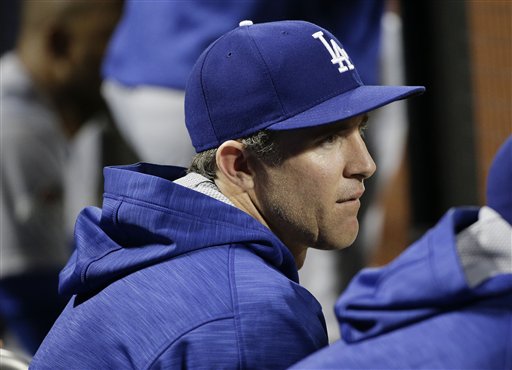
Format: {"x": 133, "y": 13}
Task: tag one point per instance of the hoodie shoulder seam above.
{"x": 167, "y": 345}
{"x": 234, "y": 304}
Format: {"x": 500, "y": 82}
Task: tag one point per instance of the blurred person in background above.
{"x": 50, "y": 93}
{"x": 444, "y": 303}
{"x": 152, "y": 53}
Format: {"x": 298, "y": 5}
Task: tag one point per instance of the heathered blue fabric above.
{"x": 166, "y": 277}
{"x": 418, "y": 312}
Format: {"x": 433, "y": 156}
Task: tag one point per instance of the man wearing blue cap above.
{"x": 199, "y": 270}
{"x": 445, "y": 303}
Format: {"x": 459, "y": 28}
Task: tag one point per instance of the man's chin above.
{"x": 347, "y": 239}
{"x": 338, "y": 244}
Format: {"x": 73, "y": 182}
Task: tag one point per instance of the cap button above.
{"x": 245, "y": 23}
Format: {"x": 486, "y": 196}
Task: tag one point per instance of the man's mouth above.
{"x": 352, "y": 197}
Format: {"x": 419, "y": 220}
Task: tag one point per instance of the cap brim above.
{"x": 347, "y": 105}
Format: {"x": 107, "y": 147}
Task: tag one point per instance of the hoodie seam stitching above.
{"x": 91, "y": 261}
{"x": 235, "y": 307}
{"x": 165, "y": 347}
{"x": 94, "y": 260}
{"x": 115, "y": 213}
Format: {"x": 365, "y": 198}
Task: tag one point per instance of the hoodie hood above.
{"x": 147, "y": 219}
{"x": 426, "y": 279}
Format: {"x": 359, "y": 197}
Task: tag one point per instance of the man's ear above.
{"x": 232, "y": 162}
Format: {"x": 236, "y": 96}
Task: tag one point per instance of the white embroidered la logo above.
{"x": 339, "y": 56}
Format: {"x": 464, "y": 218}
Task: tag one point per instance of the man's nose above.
{"x": 360, "y": 164}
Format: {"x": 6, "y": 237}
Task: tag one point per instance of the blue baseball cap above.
{"x": 499, "y": 181}
{"x": 278, "y": 76}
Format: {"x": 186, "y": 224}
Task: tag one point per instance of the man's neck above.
{"x": 243, "y": 201}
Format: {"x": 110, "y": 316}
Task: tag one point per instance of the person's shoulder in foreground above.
{"x": 445, "y": 303}
{"x": 200, "y": 270}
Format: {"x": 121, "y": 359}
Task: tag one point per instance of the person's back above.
{"x": 445, "y": 303}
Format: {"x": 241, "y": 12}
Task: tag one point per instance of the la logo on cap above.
{"x": 338, "y": 54}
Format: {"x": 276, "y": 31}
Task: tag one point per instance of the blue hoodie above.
{"x": 445, "y": 303}
{"x": 166, "y": 277}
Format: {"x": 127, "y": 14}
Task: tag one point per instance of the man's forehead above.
{"x": 292, "y": 142}
{"x": 345, "y": 124}
{"x": 328, "y": 127}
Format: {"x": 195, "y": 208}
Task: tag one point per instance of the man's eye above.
{"x": 330, "y": 139}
